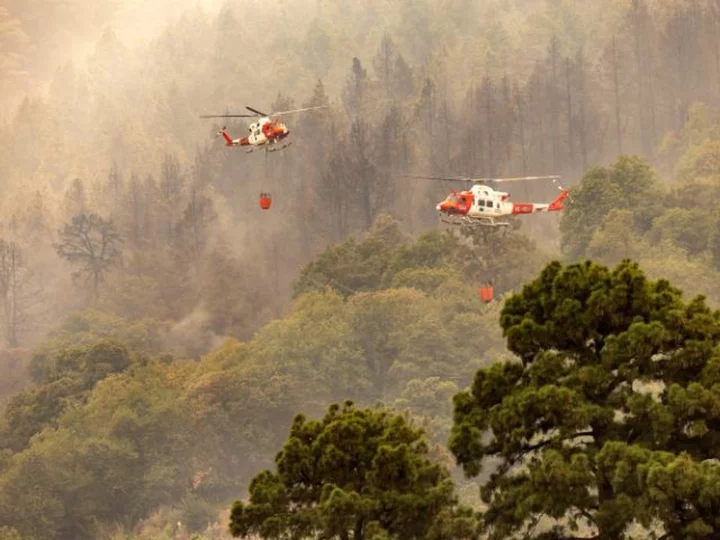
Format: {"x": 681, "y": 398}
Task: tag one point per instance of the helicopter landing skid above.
{"x": 465, "y": 220}
{"x": 283, "y": 147}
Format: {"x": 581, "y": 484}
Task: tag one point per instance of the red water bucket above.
{"x": 265, "y": 201}
{"x": 486, "y": 294}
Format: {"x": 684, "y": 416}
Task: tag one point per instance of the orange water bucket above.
{"x": 265, "y": 201}
{"x": 486, "y": 294}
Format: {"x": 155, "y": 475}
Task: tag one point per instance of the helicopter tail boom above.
{"x": 229, "y": 140}
{"x": 557, "y": 204}
{"x": 531, "y": 208}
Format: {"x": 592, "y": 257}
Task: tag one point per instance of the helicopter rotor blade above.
{"x": 258, "y": 113}
{"x": 441, "y": 178}
{"x": 484, "y": 180}
{"x": 520, "y": 179}
{"x": 298, "y": 110}
{"x": 228, "y": 116}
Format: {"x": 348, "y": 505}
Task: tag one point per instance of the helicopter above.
{"x": 483, "y": 205}
{"x": 268, "y": 132}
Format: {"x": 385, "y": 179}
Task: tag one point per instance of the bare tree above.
{"x": 75, "y": 199}
{"x": 355, "y": 89}
{"x": 15, "y": 290}
{"x": 334, "y": 192}
{"x": 371, "y": 189}
{"x": 384, "y": 63}
{"x": 171, "y": 187}
{"x": 193, "y": 230}
{"x": 616, "y": 93}
{"x": 93, "y": 245}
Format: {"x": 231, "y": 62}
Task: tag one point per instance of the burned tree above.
{"x": 15, "y": 290}
{"x": 92, "y": 244}
{"x": 193, "y": 230}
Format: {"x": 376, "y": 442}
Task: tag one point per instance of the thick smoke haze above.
{"x": 154, "y": 316}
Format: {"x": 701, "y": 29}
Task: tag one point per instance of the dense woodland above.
{"x": 159, "y": 332}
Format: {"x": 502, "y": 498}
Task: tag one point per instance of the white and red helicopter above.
{"x": 268, "y": 132}
{"x": 482, "y": 205}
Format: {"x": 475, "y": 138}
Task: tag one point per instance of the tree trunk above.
{"x": 96, "y": 286}
{"x": 571, "y": 135}
{"x": 554, "y": 103}
{"x": 521, "y": 127}
{"x": 616, "y": 85}
{"x": 358, "y": 533}
{"x": 12, "y": 306}
{"x": 489, "y": 128}
{"x": 716, "y": 33}
{"x": 640, "y": 76}
{"x": 582, "y": 105}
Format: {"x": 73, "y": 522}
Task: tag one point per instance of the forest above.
{"x": 178, "y": 363}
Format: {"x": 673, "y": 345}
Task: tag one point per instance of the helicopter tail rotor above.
{"x": 222, "y": 132}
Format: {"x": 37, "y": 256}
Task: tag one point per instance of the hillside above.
{"x": 159, "y": 331}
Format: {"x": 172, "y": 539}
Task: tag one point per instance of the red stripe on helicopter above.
{"x": 523, "y": 208}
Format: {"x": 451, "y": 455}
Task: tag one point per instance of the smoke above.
{"x": 192, "y": 335}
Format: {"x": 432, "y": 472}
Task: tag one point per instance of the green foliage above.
{"x": 123, "y": 453}
{"x": 612, "y": 396}
{"x": 628, "y": 184}
{"x": 701, "y": 162}
{"x": 64, "y": 379}
{"x": 371, "y": 345}
{"x": 14, "y": 369}
{"x": 8, "y": 533}
{"x": 92, "y": 244}
{"x": 671, "y": 233}
{"x": 353, "y": 266}
{"x": 430, "y": 400}
{"x": 190, "y": 223}
{"x": 28, "y": 412}
{"x": 89, "y": 326}
{"x": 237, "y": 416}
{"x": 196, "y": 513}
{"x": 617, "y": 239}
{"x": 356, "y": 472}
{"x": 385, "y": 258}
{"x": 107, "y": 421}
{"x": 687, "y": 229}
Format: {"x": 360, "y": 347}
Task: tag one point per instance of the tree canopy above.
{"x": 608, "y": 413}
{"x": 160, "y": 405}
{"x": 357, "y": 473}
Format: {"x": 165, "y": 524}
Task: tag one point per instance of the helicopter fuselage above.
{"x": 482, "y": 203}
{"x": 264, "y": 131}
